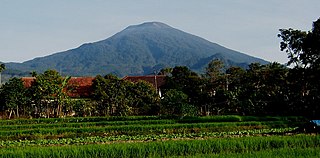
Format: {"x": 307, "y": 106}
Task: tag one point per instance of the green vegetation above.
{"x": 187, "y": 119}
{"x": 151, "y": 136}
{"x": 274, "y": 153}
{"x": 144, "y": 129}
{"x": 174, "y": 148}
{"x": 138, "y": 125}
{"x": 100, "y": 139}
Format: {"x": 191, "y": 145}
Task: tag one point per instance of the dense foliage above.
{"x": 303, "y": 50}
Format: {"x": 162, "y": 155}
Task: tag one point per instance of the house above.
{"x": 78, "y": 86}
{"x": 82, "y": 86}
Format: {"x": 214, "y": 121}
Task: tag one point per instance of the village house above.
{"x": 81, "y": 87}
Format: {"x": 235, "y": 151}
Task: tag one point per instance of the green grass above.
{"x": 219, "y": 118}
{"x": 83, "y": 124}
{"x": 75, "y": 120}
{"x": 216, "y": 146}
{"x": 271, "y": 153}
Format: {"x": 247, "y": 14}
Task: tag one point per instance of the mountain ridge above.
{"x": 137, "y": 50}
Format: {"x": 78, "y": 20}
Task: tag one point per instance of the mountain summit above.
{"x": 149, "y": 25}
{"x": 137, "y": 50}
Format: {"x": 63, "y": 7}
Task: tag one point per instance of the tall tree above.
{"x": 13, "y": 97}
{"x": 303, "y": 49}
{"x": 144, "y": 98}
{"x": 112, "y": 95}
{"x": 215, "y": 88}
{"x": 2, "y": 67}
{"x": 215, "y": 70}
{"x": 49, "y": 90}
{"x": 184, "y": 80}
{"x": 235, "y": 82}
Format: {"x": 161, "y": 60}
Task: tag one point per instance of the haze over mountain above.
{"x": 137, "y": 50}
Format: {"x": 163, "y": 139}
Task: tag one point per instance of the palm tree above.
{"x": 2, "y": 67}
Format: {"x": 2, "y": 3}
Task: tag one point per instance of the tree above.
{"x": 215, "y": 88}
{"x": 175, "y": 102}
{"x": 260, "y": 90}
{"x": 2, "y": 67}
{"x": 235, "y": 82}
{"x": 184, "y": 80}
{"x": 303, "y": 49}
{"x": 13, "y": 97}
{"x": 48, "y": 92}
{"x": 144, "y": 98}
{"x": 180, "y": 78}
{"x": 165, "y": 71}
{"x": 112, "y": 95}
{"x": 215, "y": 70}
{"x": 311, "y": 46}
{"x": 292, "y": 41}
{"x": 102, "y": 93}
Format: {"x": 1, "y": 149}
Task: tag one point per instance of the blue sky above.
{"x": 35, "y": 28}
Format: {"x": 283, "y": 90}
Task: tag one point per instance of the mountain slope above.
{"x": 137, "y": 50}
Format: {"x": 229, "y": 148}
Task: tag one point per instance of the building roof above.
{"x": 78, "y": 86}
{"x": 27, "y": 81}
{"x": 156, "y": 80}
{"x": 82, "y": 86}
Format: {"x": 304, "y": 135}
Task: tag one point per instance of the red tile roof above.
{"x": 82, "y": 86}
{"x": 27, "y": 81}
{"x": 79, "y": 86}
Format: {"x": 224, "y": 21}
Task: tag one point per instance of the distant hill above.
{"x": 7, "y": 73}
{"x": 137, "y": 50}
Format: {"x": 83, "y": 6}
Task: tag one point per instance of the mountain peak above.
{"x": 149, "y": 25}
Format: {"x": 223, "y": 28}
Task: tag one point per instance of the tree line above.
{"x": 271, "y": 89}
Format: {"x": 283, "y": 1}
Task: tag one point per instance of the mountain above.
{"x": 137, "y": 50}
